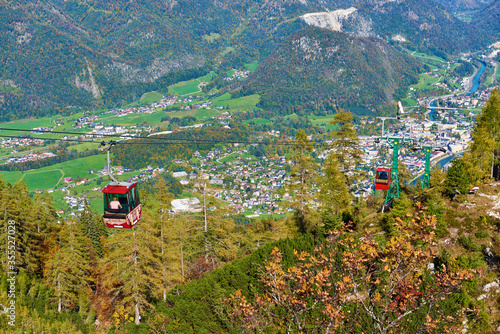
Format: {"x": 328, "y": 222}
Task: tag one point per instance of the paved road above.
{"x": 430, "y": 99}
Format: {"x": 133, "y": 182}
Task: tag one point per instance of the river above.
{"x": 475, "y": 81}
{"x": 475, "y": 86}
{"x": 441, "y": 163}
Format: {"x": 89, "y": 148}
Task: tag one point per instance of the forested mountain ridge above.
{"x": 488, "y": 18}
{"x": 59, "y": 54}
{"x": 346, "y": 67}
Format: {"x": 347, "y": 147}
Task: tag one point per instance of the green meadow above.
{"x": 409, "y": 102}
{"x": 149, "y": 98}
{"x": 258, "y": 121}
{"x": 252, "y": 66}
{"x": 51, "y": 176}
{"x": 212, "y": 37}
{"x": 425, "y": 81}
{"x": 243, "y": 103}
{"x": 191, "y": 86}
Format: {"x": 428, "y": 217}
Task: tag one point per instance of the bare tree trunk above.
{"x": 137, "y": 315}
{"x": 205, "y": 230}
{"x": 163, "y": 258}
{"x": 59, "y": 302}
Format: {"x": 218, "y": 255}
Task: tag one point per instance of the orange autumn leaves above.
{"x": 351, "y": 283}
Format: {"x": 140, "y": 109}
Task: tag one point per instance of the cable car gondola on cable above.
{"x": 383, "y": 178}
{"x": 122, "y": 207}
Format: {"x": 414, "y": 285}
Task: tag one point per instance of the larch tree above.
{"x": 68, "y": 269}
{"x": 486, "y": 138}
{"x": 334, "y": 193}
{"x": 93, "y": 227}
{"x": 303, "y": 176}
{"x": 345, "y": 145}
{"x": 132, "y": 269}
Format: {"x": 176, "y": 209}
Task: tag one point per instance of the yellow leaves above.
{"x": 377, "y": 297}
{"x": 346, "y": 279}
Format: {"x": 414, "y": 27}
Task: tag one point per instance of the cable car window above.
{"x": 383, "y": 175}
{"x": 133, "y": 202}
{"x": 136, "y": 195}
{"x": 121, "y": 198}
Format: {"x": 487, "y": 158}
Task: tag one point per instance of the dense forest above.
{"x": 339, "y": 266}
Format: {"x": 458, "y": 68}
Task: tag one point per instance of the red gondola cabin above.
{"x": 383, "y": 178}
{"x": 122, "y": 208}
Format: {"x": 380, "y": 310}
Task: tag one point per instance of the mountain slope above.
{"x": 57, "y": 54}
{"x": 488, "y": 19}
{"x": 317, "y": 67}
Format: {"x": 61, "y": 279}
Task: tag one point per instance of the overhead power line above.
{"x": 152, "y": 140}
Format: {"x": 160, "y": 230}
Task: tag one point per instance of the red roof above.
{"x": 113, "y": 189}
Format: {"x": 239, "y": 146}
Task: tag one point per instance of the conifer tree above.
{"x": 303, "y": 175}
{"x": 132, "y": 269}
{"x": 68, "y": 269}
{"x": 18, "y": 207}
{"x": 346, "y": 144}
{"x": 334, "y": 194}
{"x": 458, "y": 179}
{"x": 486, "y": 139}
{"x": 93, "y": 227}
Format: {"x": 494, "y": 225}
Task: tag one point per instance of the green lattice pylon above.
{"x": 394, "y": 191}
{"x": 426, "y": 181}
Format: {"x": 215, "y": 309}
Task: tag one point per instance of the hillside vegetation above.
{"x": 58, "y": 56}
{"x": 335, "y": 264}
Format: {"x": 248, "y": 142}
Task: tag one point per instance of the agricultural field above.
{"x": 258, "y": 121}
{"x": 242, "y": 103}
{"x": 425, "y": 82}
{"x": 190, "y": 87}
{"x": 424, "y": 56}
{"x": 252, "y": 66}
{"x": 133, "y": 119}
{"x": 149, "y": 98}
{"x": 51, "y": 176}
{"x": 323, "y": 121}
{"x": 201, "y": 114}
{"x": 408, "y": 102}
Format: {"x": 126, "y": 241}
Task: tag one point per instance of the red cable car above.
{"x": 122, "y": 208}
{"x": 383, "y": 178}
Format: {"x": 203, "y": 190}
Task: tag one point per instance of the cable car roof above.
{"x": 119, "y": 187}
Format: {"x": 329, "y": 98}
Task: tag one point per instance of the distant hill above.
{"x": 316, "y": 68}
{"x": 56, "y": 55}
{"x": 488, "y": 19}
{"x": 463, "y": 5}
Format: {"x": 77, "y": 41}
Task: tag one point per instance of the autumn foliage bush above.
{"x": 358, "y": 285}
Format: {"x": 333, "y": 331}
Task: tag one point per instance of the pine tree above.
{"x": 457, "y": 178}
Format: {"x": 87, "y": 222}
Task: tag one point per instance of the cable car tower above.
{"x": 428, "y": 150}
{"x": 388, "y": 179}
{"x": 122, "y": 207}
{"x": 393, "y": 190}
